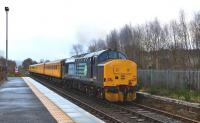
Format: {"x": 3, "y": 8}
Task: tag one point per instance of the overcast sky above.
{"x": 46, "y": 29}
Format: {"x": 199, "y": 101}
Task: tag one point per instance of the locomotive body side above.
{"x": 106, "y": 72}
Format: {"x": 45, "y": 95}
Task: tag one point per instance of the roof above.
{"x": 57, "y": 61}
{"x": 70, "y": 60}
{"x": 94, "y": 53}
{"x": 37, "y": 64}
{"x": 78, "y": 56}
{"x": 87, "y": 55}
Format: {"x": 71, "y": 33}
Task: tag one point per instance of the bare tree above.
{"x": 131, "y": 42}
{"x": 126, "y": 41}
{"x": 26, "y": 63}
{"x": 11, "y": 64}
{"x": 153, "y": 40}
{"x": 184, "y": 37}
{"x": 92, "y": 46}
{"x": 96, "y": 45}
{"x": 174, "y": 45}
{"x": 77, "y": 49}
{"x": 101, "y": 45}
{"x": 113, "y": 40}
{"x": 195, "y": 30}
{"x": 195, "y": 35}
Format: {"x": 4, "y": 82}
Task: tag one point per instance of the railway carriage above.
{"x": 107, "y": 74}
{"x": 54, "y": 69}
{"x": 37, "y": 68}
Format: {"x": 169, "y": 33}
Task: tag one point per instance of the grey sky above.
{"x": 46, "y": 29}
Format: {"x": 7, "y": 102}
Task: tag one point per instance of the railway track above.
{"x": 175, "y": 116}
{"x": 181, "y": 111}
{"x": 117, "y": 113}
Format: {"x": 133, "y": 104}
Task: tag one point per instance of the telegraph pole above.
{"x": 6, "y": 9}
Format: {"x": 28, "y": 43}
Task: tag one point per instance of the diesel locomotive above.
{"x": 106, "y": 74}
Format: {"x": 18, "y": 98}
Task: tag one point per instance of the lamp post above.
{"x": 6, "y": 9}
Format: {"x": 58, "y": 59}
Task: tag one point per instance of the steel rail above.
{"x": 102, "y": 114}
{"x": 175, "y": 116}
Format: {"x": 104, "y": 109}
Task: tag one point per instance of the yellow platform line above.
{"x": 54, "y": 110}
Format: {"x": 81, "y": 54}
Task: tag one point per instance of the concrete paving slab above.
{"x": 76, "y": 113}
{"x": 18, "y": 104}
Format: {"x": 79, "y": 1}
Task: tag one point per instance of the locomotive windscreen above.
{"x": 111, "y": 55}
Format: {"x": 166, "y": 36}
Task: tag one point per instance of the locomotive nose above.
{"x": 120, "y": 75}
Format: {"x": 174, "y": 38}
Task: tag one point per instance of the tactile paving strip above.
{"x": 55, "y": 111}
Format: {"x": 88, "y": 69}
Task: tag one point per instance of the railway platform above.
{"x": 25, "y": 100}
{"x": 18, "y": 104}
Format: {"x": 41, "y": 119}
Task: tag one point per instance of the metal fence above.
{"x": 173, "y": 79}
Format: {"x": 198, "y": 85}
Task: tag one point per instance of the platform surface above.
{"x": 18, "y": 104}
{"x": 75, "y": 113}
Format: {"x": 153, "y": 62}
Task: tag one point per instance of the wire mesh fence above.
{"x": 172, "y": 79}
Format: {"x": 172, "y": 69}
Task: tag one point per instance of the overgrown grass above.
{"x": 15, "y": 75}
{"x": 182, "y": 94}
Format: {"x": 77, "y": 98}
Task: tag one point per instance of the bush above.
{"x": 182, "y": 94}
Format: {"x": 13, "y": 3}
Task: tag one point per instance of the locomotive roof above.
{"x": 87, "y": 55}
{"x": 94, "y": 54}
{"x": 68, "y": 60}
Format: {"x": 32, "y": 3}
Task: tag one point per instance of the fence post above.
{"x": 167, "y": 78}
{"x": 151, "y": 77}
{"x": 198, "y": 81}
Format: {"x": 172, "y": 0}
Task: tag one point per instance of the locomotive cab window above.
{"x": 103, "y": 57}
{"x": 111, "y": 55}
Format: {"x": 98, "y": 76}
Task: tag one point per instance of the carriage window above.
{"x": 103, "y": 57}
